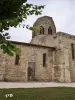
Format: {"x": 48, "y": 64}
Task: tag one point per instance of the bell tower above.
{"x": 45, "y": 26}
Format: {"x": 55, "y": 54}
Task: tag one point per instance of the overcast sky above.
{"x": 62, "y": 11}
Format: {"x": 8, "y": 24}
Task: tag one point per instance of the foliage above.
{"x": 12, "y": 13}
{"x": 52, "y": 93}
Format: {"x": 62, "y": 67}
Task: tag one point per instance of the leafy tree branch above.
{"x": 13, "y": 13}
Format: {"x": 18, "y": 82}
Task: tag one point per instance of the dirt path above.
{"x": 34, "y": 84}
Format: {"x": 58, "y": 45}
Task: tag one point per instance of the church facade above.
{"x": 50, "y": 56}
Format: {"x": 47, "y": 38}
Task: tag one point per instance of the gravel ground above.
{"x": 34, "y": 84}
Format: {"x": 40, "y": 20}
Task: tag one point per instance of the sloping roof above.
{"x": 29, "y": 44}
{"x": 65, "y": 35}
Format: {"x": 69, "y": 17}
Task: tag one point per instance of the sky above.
{"x": 62, "y": 12}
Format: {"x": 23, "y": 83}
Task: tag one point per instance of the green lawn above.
{"x": 58, "y": 93}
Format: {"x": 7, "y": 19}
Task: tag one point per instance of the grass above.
{"x": 53, "y": 93}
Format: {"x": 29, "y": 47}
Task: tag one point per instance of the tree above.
{"x": 12, "y": 13}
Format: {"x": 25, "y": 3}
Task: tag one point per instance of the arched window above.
{"x": 17, "y": 57}
{"x": 49, "y": 30}
{"x": 41, "y": 30}
{"x": 33, "y": 34}
{"x": 73, "y": 50}
{"x": 44, "y": 60}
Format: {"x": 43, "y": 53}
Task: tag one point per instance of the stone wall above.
{"x": 67, "y": 63}
{"x": 2, "y": 65}
{"x": 11, "y": 72}
{"x": 59, "y": 66}
{"x": 45, "y": 40}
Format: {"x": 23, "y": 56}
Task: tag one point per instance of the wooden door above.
{"x": 31, "y": 71}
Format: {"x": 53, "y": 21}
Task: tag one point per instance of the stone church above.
{"x": 50, "y": 56}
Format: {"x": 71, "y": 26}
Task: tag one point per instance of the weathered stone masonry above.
{"x": 48, "y": 57}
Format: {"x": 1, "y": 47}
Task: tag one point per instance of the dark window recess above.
{"x": 33, "y": 34}
{"x": 49, "y": 30}
{"x": 44, "y": 59}
{"x": 41, "y": 30}
{"x": 17, "y": 59}
{"x": 72, "y": 48}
